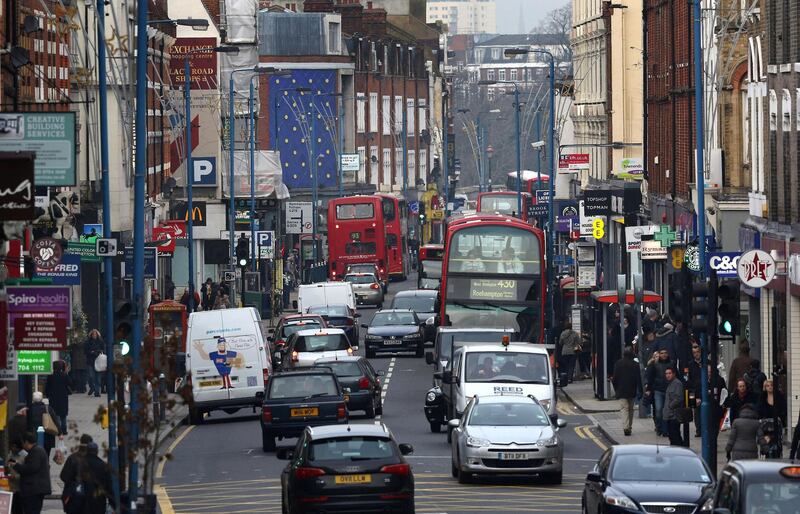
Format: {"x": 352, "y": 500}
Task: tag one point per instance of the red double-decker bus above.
{"x": 493, "y": 276}
{"x": 505, "y": 203}
{"x": 395, "y": 216}
{"x": 532, "y": 181}
{"x": 429, "y": 266}
{"x": 356, "y": 234}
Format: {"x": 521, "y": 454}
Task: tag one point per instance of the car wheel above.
{"x": 370, "y": 410}
{"x": 462, "y": 476}
{"x": 436, "y": 427}
{"x": 420, "y": 350}
{"x": 554, "y": 478}
{"x": 370, "y": 353}
{"x": 195, "y": 416}
{"x": 284, "y": 506}
{"x": 453, "y": 469}
{"x": 267, "y": 441}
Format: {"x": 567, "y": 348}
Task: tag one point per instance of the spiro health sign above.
{"x": 24, "y": 300}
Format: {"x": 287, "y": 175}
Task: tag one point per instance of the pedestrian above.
{"x": 627, "y": 380}
{"x": 742, "y": 440}
{"x": 585, "y": 357}
{"x": 693, "y": 371}
{"x": 742, "y": 396}
{"x": 34, "y": 475}
{"x": 673, "y": 402}
{"x": 155, "y": 297}
{"x": 169, "y": 288}
{"x": 665, "y": 339}
{"x": 716, "y": 385}
{"x": 38, "y": 410}
{"x": 657, "y": 388}
{"x": 755, "y": 378}
{"x": 185, "y": 299}
{"x": 652, "y": 321}
{"x": 78, "y": 368}
{"x": 570, "y": 342}
{"x": 772, "y": 403}
{"x": 222, "y": 302}
{"x": 684, "y": 344}
{"x": 209, "y": 294}
{"x": 793, "y": 452}
{"x": 94, "y": 347}
{"x": 87, "y": 480}
{"x": 741, "y": 363}
{"x": 57, "y": 391}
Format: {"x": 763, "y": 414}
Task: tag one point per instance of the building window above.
{"x": 373, "y": 165}
{"x": 361, "y": 118}
{"x": 423, "y": 165}
{"x": 387, "y": 115}
{"x": 495, "y": 54}
{"x": 398, "y": 114}
{"x": 398, "y": 166}
{"x": 513, "y": 74}
{"x": 423, "y": 115}
{"x": 373, "y": 112}
{"x": 412, "y": 168}
{"x": 334, "y": 38}
{"x": 387, "y": 168}
{"x": 773, "y": 110}
{"x": 489, "y": 74}
{"x": 501, "y": 74}
{"x": 410, "y": 127}
{"x": 362, "y": 165}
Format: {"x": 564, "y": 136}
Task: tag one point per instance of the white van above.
{"x": 325, "y": 293}
{"x": 498, "y": 369}
{"x": 227, "y": 361}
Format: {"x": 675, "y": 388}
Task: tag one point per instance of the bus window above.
{"x": 388, "y": 209}
{"x": 391, "y": 240}
{"x": 359, "y": 248}
{"x": 507, "y": 250}
{"x": 355, "y": 211}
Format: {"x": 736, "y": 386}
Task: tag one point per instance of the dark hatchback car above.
{"x": 395, "y": 330}
{"x": 339, "y": 316}
{"x": 300, "y": 398}
{"x": 362, "y": 383}
{"x": 640, "y": 478}
{"x": 425, "y": 303}
{"x": 290, "y": 324}
{"x": 768, "y": 486}
{"x": 353, "y": 468}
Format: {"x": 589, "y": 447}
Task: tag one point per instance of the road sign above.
{"x": 265, "y": 241}
{"x": 350, "y": 162}
{"x": 543, "y": 196}
{"x": 756, "y": 268}
{"x": 413, "y": 207}
{"x": 106, "y": 247}
{"x": 229, "y": 276}
{"x": 299, "y": 217}
{"x": 150, "y": 262}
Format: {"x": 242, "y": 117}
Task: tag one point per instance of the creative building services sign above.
{"x": 51, "y": 135}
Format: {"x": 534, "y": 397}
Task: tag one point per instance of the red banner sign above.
{"x": 167, "y": 235}
{"x": 40, "y": 331}
{"x": 202, "y": 62}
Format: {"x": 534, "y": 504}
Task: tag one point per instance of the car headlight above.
{"x": 545, "y": 404}
{"x": 430, "y": 397}
{"x": 708, "y": 505}
{"x": 620, "y": 500}
{"x": 548, "y": 443}
{"x": 415, "y": 335}
{"x": 476, "y": 442}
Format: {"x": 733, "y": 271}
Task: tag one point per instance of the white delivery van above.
{"x": 325, "y": 293}
{"x": 227, "y": 361}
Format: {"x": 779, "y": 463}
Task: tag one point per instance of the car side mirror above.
{"x": 406, "y": 449}
{"x": 356, "y": 315}
{"x": 594, "y": 476}
{"x": 429, "y": 358}
{"x": 355, "y": 348}
{"x": 260, "y": 396}
{"x": 285, "y": 454}
{"x": 447, "y": 377}
{"x": 561, "y": 423}
{"x": 431, "y": 321}
{"x": 364, "y": 325}
{"x": 270, "y": 330}
{"x": 454, "y": 423}
{"x": 346, "y": 390}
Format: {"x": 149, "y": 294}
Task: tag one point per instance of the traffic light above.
{"x": 681, "y": 296}
{"x": 123, "y": 326}
{"x": 728, "y": 309}
{"x": 421, "y": 213}
{"x": 704, "y": 302}
{"x": 243, "y": 251}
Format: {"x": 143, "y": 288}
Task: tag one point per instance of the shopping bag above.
{"x": 101, "y": 363}
{"x": 60, "y": 454}
{"x": 49, "y": 424}
{"x": 725, "y": 424}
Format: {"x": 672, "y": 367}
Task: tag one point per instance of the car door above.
{"x": 372, "y": 375}
{"x": 295, "y": 461}
{"x": 728, "y": 494}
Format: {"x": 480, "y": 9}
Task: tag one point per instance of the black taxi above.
{"x": 757, "y": 486}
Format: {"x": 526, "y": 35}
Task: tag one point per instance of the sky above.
{"x": 532, "y": 13}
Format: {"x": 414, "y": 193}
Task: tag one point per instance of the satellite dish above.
{"x": 30, "y": 24}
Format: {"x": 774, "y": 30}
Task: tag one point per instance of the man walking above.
{"x": 34, "y": 475}
{"x": 672, "y": 403}
{"x": 628, "y": 384}
{"x": 570, "y": 342}
{"x": 657, "y": 388}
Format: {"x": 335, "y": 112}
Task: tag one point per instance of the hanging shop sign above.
{"x": 756, "y": 268}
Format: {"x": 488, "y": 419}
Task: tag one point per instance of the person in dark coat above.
{"x": 742, "y": 441}
{"x": 693, "y": 370}
{"x": 209, "y": 294}
{"x": 34, "y": 475}
{"x": 38, "y": 408}
{"x": 627, "y": 380}
{"x": 755, "y": 378}
{"x": 169, "y": 288}
{"x": 772, "y": 403}
{"x": 84, "y": 467}
{"x": 77, "y": 372}
{"x": 793, "y": 452}
{"x": 738, "y": 398}
{"x": 94, "y": 347}
{"x": 656, "y": 388}
{"x": 57, "y": 391}
{"x": 740, "y": 364}
{"x": 673, "y": 402}
{"x": 665, "y": 340}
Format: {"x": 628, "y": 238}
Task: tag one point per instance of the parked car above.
{"x": 368, "y": 267}
{"x": 291, "y": 323}
{"x": 298, "y": 399}
{"x": 353, "y": 468}
{"x": 367, "y": 288}
{"x": 506, "y": 435}
{"x": 752, "y": 485}
{"x": 394, "y": 330}
{"x": 425, "y": 303}
{"x": 305, "y": 347}
{"x": 644, "y": 478}
{"x": 339, "y": 316}
{"x": 357, "y": 374}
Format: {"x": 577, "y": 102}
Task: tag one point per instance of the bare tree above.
{"x": 559, "y": 23}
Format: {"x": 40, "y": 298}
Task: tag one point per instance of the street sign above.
{"x": 543, "y": 196}
{"x": 587, "y": 277}
{"x": 150, "y": 262}
{"x": 106, "y": 247}
{"x": 350, "y": 162}
{"x": 573, "y": 162}
{"x": 539, "y": 209}
{"x": 229, "y": 276}
{"x": 265, "y": 241}
{"x": 724, "y": 263}
{"x": 413, "y": 207}
{"x": 756, "y": 268}
{"x": 34, "y": 362}
{"x": 299, "y": 217}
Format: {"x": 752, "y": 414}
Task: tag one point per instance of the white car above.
{"x": 305, "y": 347}
{"x": 509, "y": 434}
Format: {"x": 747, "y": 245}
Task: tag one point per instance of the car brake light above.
{"x": 349, "y": 321}
{"x": 334, "y": 273}
{"x": 374, "y": 286}
{"x": 265, "y": 371}
{"x": 381, "y": 270}
{"x": 341, "y": 412}
{"x": 266, "y": 415}
{"x": 301, "y": 473}
{"x": 397, "y": 469}
{"x": 363, "y": 383}
{"x": 295, "y": 356}
{"x": 280, "y": 342}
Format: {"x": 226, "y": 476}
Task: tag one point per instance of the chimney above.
{"x": 318, "y": 6}
{"x": 374, "y": 21}
{"x": 352, "y": 13}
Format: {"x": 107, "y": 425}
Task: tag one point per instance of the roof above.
{"x": 303, "y": 370}
{"x": 516, "y": 347}
{"x": 300, "y": 317}
{"x": 625, "y": 449}
{"x": 416, "y": 292}
{"x": 761, "y": 466}
{"x": 319, "y": 331}
{"x": 513, "y": 40}
{"x": 395, "y": 310}
{"x": 355, "y": 430}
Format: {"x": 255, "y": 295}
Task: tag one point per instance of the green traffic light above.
{"x": 726, "y": 327}
{"x": 124, "y": 347}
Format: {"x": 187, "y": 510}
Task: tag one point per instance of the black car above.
{"x": 300, "y": 398}
{"x": 647, "y": 478}
{"x": 769, "y": 486}
{"x": 358, "y": 376}
{"x": 394, "y": 330}
{"x": 339, "y": 316}
{"x": 353, "y": 468}
{"x": 425, "y": 303}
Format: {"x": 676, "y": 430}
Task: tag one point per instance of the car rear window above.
{"x": 344, "y": 369}
{"x": 330, "y": 310}
{"x": 322, "y": 343}
{"x": 296, "y": 327}
{"x": 360, "y": 279}
{"x": 362, "y": 268}
{"x": 779, "y": 496}
{"x": 351, "y": 448}
{"x": 300, "y": 386}
{"x": 414, "y": 303}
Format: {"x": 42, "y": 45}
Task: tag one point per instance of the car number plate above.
{"x": 513, "y": 456}
{"x": 305, "y": 411}
{"x": 353, "y": 479}
{"x": 392, "y": 340}
{"x": 210, "y": 383}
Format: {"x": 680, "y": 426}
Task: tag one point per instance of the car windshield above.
{"x": 291, "y": 328}
{"x": 393, "y": 318}
{"x": 503, "y": 366}
{"x": 414, "y": 303}
{"x": 301, "y": 386}
{"x": 508, "y": 415}
{"x": 659, "y": 468}
{"x": 343, "y": 369}
{"x": 360, "y": 279}
{"x": 351, "y": 448}
{"x": 772, "y": 498}
{"x": 447, "y": 339}
{"x": 330, "y": 310}
{"x": 321, "y": 343}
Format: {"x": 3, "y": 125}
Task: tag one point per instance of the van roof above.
{"x": 517, "y": 347}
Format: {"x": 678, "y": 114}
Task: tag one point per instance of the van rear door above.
{"x": 208, "y": 384}
{"x": 254, "y": 366}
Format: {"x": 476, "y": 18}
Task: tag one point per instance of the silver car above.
{"x": 506, "y": 435}
{"x": 367, "y": 288}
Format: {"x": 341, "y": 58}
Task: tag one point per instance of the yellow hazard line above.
{"x": 585, "y": 432}
{"x": 170, "y": 449}
{"x": 164, "y": 505}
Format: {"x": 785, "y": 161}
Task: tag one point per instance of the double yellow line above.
{"x": 585, "y": 432}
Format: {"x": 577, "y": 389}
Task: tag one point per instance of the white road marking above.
{"x": 385, "y": 385}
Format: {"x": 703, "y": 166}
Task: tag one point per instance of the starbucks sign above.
{"x": 691, "y": 258}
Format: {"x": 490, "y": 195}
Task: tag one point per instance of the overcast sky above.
{"x": 508, "y": 13}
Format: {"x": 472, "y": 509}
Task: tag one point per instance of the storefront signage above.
{"x": 202, "y": 62}
{"x": 633, "y": 236}
{"x": 40, "y": 331}
{"x": 794, "y": 269}
{"x": 573, "y": 162}
{"x": 724, "y": 263}
{"x": 46, "y": 253}
{"x": 150, "y": 262}
{"x": 350, "y": 162}
{"x": 597, "y": 203}
{"x": 51, "y": 135}
{"x": 86, "y": 251}
{"x": 36, "y": 299}
{"x": 65, "y": 273}
{"x": 756, "y": 268}
{"x": 34, "y": 362}
{"x": 653, "y": 251}
{"x": 631, "y": 169}
{"x": 17, "y": 192}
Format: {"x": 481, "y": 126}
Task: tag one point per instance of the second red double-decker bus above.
{"x": 429, "y": 266}
{"x": 356, "y": 233}
{"x": 395, "y": 216}
{"x": 493, "y": 276}
{"x": 531, "y": 181}
{"x": 505, "y": 203}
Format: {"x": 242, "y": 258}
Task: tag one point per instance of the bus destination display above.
{"x": 488, "y": 289}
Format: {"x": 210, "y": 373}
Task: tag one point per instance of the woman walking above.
{"x": 742, "y": 441}
{"x": 94, "y": 347}
{"x": 57, "y": 391}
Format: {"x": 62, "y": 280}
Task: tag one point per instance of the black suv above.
{"x": 300, "y": 398}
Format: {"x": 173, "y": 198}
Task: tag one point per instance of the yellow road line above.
{"x": 164, "y": 505}
{"x": 580, "y": 431}
{"x": 596, "y": 440}
{"x": 170, "y": 449}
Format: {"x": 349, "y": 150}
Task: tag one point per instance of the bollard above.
{"x": 40, "y": 436}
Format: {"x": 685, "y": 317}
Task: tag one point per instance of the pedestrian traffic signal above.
{"x": 728, "y": 309}
{"x": 243, "y": 251}
{"x": 421, "y": 213}
{"x": 123, "y": 326}
{"x": 681, "y": 296}
{"x": 704, "y": 301}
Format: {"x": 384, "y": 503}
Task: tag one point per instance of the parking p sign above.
{"x": 266, "y": 247}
